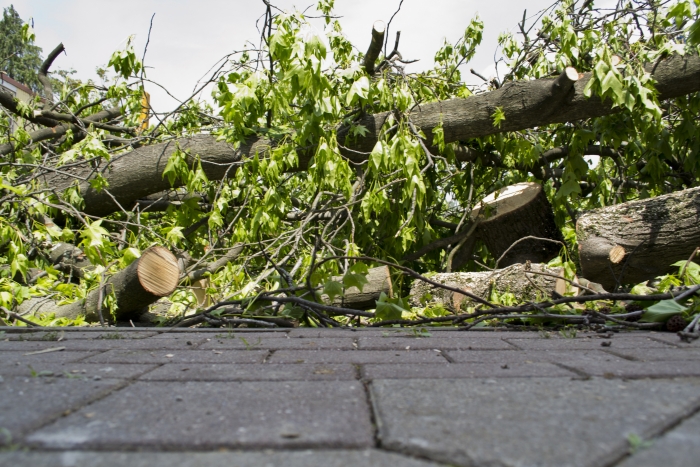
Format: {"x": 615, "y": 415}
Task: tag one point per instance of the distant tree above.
{"x": 19, "y": 57}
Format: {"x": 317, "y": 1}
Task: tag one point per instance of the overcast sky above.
{"x": 189, "y": 37}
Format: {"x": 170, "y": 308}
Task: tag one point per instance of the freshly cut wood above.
{"x": 515, "y": 212}
{"x": 523, "y": 283}
{"x": 378, "y": 281}
{"x": 654, "y": 233}
{"x": 155, "y": 274}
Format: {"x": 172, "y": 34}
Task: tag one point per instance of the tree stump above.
{"x": 523, "y": 283}
{"x": 644, "y": 237}
{"x": 155, "y": 274}
{"x": 515, "y": 212}
{"x": 378, "y": 281}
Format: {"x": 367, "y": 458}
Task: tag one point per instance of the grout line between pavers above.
{"x": 374, "y": 419}
{"x": 626, "y": 357}
{"x": 662, "y": 431}
{"x": 583, "y": 375}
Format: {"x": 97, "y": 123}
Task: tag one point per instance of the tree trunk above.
{"x": 378, "y": 281}
{"x": 526, "y": 104}
{"x": 513, "y": 213}
{"x": 513, "y": 279}
{"x": 155, "y": 274}
{"x": 654, "y": 234}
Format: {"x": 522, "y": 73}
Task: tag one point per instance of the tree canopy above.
{"x": 19, "y": 57}
{"x": 314, "y": 161}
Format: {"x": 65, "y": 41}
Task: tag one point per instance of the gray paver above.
{"x": 179, "y": 356}
{"x": 28, "y": 403}
{"x": 248, "y": 372}
{"x": 255, "y": 342}
{"x": 519, "y": 422}
{"x": 679, "y": 446}
{"x": 218, "y": 414}
{"x": 628, "y": 369}
{"x": 328, "y": 458}
{"x": 356, "y": 356}
{"x": 66, "y": 334}
{"x": 87, "y": 370}
{"x": 221, "y": 334}
{"x": 588, "y": 343}
{"x": 659, "y": 354}
{"x": 59, "y": 356}
{"x": 100, "y": 345}
{"x": 525, "y": 356}
{"x": 439, "y": 342}
{"x": 463, "y": 370}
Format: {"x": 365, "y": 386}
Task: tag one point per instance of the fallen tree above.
{"x": 314, "y": 156}
{"x": 526, "y": 104}
{"x": 637, "y": 241}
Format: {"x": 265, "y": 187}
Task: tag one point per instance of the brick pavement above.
{"x": 310, "y": 397}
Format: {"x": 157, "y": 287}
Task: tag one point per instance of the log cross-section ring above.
{"x": 158, "y": 271}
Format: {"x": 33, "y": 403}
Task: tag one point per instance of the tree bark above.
{"x": 155, "y": 274}
{"x": 513, "y": 213}
{"x": 654, "y": 234}
{"x": 378, "y": 282}
{"x": 526, "y": 104}
{"x": 513, "y": 279}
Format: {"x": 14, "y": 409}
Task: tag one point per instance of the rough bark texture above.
{"x": 155, "y": 274}
{"x": 663, "y": 230}
{"x": 519, "y": 211}
{"x": 70, "y": 259}
{"x": 513, "y": 279}
{"x": 526, "y": 104}
{"x": 378, "y": 281}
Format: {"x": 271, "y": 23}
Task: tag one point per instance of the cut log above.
{"x": 654, "y": 233}
{"x": 378, "y": 281}
{"x": 513, "y": 279}
{"x": 515, "y": 212}
{"x": 155, "y": 274}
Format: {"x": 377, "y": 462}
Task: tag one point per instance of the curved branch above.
{"x": 44, "y": 70}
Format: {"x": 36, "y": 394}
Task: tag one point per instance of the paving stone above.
{"x": 330, "y": 333}
{"x": 341, "y": 458}
{"x": 179, "y": 356}
{"x": 525, "y": 422}
{"x": 356, "y": 356}
{"x": 457, "y": 342}
{"x": 100, "y": 345}
{"x": 666, "y": 354}
{"x": 28, "y": 403}
{"x": 587, "y": 343}
{"x": 65, "y": 334}
{"x": 68, "y": 370}
{"x": 248, "y": 372}
{"x": 221, "y": 334}
{"x": 672, "y": 339}
{"x": 463, "y": 370}
{"x": 627, "y": 369}
{"x": 499, "y": 356}
{"x": 61, "y": 356}
{"x": 214, "y": 415}
{"x": 679, "y": 446}
{"x": 254, "y": 342}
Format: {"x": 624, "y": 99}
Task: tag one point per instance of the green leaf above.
{"x": 333, "y": 289}
{"x": 359, "y": 88}
{"x": 662, "y": 311}
{"x": 354, "y": 280}
{"x": 389, "y": 309}
{"x": 498, "y": 116}
{"x": 694, "y": 33}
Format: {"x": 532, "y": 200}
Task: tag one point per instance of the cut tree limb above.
{"x": 155, "y": 274}
{"x": 375, "y": 47}
{"x": 513, "y": 213}
{"x": 515, "y": 279}
{"x": 526, "y": 104}
{"x": 378, "y": 282}
{"x": 654, "y": 233}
